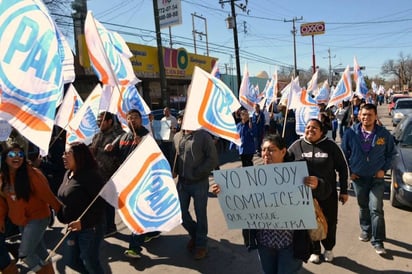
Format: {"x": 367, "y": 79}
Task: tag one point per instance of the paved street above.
{"x": 227, "y": 255}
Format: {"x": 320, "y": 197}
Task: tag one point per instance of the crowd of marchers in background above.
{"x": 36, "y": 189}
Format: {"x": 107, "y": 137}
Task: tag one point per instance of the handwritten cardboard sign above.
{"x": 266, "y": 197}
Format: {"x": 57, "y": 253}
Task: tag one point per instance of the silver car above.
{"x": 402, "y": 107}
{"x": 401, "y": 181}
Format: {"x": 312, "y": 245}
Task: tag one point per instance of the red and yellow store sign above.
{"x": 178, "y": 62}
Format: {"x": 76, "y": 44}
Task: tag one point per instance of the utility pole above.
{"x": 294, "y": 41}
{"x": 170, "y": 37}
{"x": 165, "y": 96}
{"x": 232, "y": 24}
{"x": 79, "y": 16}
{"x": 194, "y": 31}
{"x": 235, "y": 39}
{"x": 330, "y": 66}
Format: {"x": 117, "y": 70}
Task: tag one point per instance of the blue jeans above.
{"x": 278, "y": 261}
{"x": 82, "y": 250}
{"x": 32, "y": 248}
{"x": 369, "y": 193}
{"x": 199, "y": 192}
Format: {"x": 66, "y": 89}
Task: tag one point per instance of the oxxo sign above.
{"x": 312, "y": 28}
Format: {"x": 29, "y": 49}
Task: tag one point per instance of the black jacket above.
{"x": 76, "y": 194}
{"x": 324, "y": 159}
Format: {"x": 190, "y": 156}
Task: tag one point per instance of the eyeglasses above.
{"x": 14, "y": 154}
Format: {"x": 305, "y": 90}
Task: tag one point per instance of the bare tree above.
{"x": 401, "y": 69}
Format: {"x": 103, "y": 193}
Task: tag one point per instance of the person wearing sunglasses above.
{"x": 28, "y": 197}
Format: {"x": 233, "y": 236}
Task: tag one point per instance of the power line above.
{"x": 148, "y": 36}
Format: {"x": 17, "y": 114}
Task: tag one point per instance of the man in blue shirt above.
{"x": 369, "y": 149}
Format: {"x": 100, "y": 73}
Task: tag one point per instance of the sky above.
{"x": 372, "y": 30}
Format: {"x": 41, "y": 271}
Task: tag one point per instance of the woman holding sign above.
{"x": 324, "y": 159}
{"x": 281, "y": 251}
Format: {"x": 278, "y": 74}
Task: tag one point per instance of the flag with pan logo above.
{"x": 109, "y": 54}
{"x": 143, "y": 190}
{"x": 210, "y": 106}
{"x": 31, "y": 69}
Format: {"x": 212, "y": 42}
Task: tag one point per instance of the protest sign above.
{"x": 266, "y": 197}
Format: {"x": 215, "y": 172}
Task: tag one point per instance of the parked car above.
{"x": 403, "y": 106}
{"x": 401, "y": 181}
{"x": 393, "y": 100}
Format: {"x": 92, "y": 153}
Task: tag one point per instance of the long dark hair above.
{"x": 83, "y": 157}
{"x": 22, "y": 181}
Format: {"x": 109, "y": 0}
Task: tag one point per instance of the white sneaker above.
{"x": 380, "y": 249}
{"x": 328, "y": 255}
{"x": 314, "y": 258}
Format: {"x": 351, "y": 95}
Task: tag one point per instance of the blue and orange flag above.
{"x": 109, "y": 54}
{"x": 71, "y": 103}
{"x": 31, "y": 69}
{"x": 343, "y": 90}
{"x": 312, "y": 87}
{"x": 126, "y": 99}
{"x": 361, "y": 88}
{"x": 143, "y": 190}
{"x": 210, "y": 105}
{"x": 308, "y": 106}
{"x": 247, "y": 93}
{"x": 323, "y": 95}
{"x": 271, "y": 89}
{"x": 83, "y": 125}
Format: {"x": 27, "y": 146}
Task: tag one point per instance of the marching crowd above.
{"x": 66, "y": 182}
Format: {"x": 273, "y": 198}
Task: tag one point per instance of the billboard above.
{"x": 170, "y": 12}
{"x": 312, "y": 28}
{"x": 179, "y": 64}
